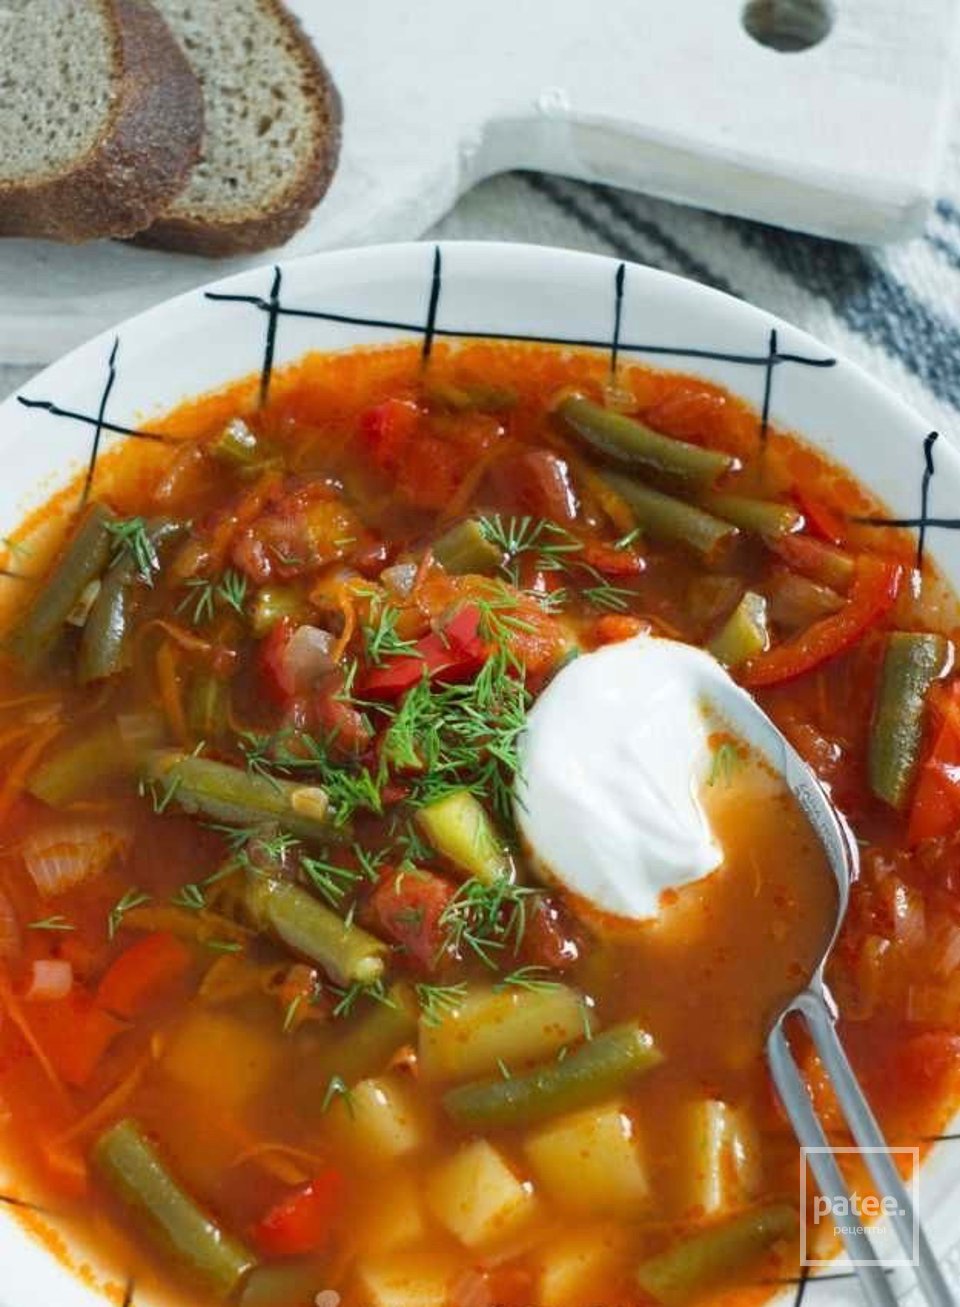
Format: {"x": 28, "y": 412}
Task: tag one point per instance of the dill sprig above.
{"x": 133, "y": 898}
{"x": 330, "y": 880}
{"x": 379, "y": 631}
{"x": 131, "y": 539}
{"x": 349, "y": 997}
{"x": 515, "y": 537}
{"x": 54, "y": 923}
{"x": 725, "y": 761}
{"x": 205, "y": 594}
{"x": 438, "y": 1001}
{"x": 486, "y": 919}
{"x": 533, "y": 979}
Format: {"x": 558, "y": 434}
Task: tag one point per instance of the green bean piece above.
{"x": 479, "y": 395}
{"x": 208, "y": 705}
{"x": 292, "y": 1285}
{"x": 239, "y": 798}
{"x": 762, "y": 517}
{"x": 465, "y": 549}
{"x": 626, "y": 441}
{"x": 671, "y": 521}
{"x": 597, "y": 1070}
{"x": 708, "y": 1260}
{"x": 367, "y": 1045}
{"x": 84, "y": 762}
{"x": 744, "y": 633}
{"x": 911, "y": 664}
{"x": 348, "y": 954}
{"x": 82, "y": 560}
{"x": 106, "y": 644}
{"x": 795, "y": 602}
{"x": 240, "y": 448}
{"x": 459, "y": 829}
{"x": 272, "y": 604}
{"x": 131, "y": 1167}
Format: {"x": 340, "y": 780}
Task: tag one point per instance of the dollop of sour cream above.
{"x": 612, "y": 765}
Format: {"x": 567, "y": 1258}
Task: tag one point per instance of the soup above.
{"x": 287, "y": 1006}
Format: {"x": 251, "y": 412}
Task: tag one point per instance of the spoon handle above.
{"x": 809, "y": 1131}
{"x": 820, "y": 1019}
{"x": 866, "y": 1131}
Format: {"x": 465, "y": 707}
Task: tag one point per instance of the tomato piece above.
{"x": 876, "y": 585}
{"x": 75, "y": 1033}
{"x": 387, "y": 431}
{"x": 549, "y": 939}
{"x": 302, "y": 1222}
{"x": 408, "y": 908}
{"x": 275, "y": 675}
{"x": 341, "y": 725}
{"x": 609, "y": 560}
{"x": 614, "y": 627}
{"x": 537, "y": 483}
{"x": 456, "y": 653}
{"x": 936, "y": 803}
{"x": 149, "y": 971}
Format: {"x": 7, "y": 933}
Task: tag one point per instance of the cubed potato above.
{"x": 720, "y": 1154}
{"x": 395, "y": 1220}
{"x": 221, "y": 1059}
{"x": 477, "y": 1197}
{"x": 511, "y": 1026}
{"x": 589, "y": 1162}
{"x": 381, "y": 1118}
{"x": 405, "y": 1280}
{"x": 572, "y": 1269}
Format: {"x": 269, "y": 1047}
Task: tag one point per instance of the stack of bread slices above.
{"x": 206, "y": 126}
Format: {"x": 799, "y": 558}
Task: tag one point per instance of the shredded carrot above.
{"x": 15, "y": 1013}
{"x": 289, "y": 1174}
{"x": 468, "y": 486}
{"x": 348, "y": 608}
{"x": 16, "y": 733}
{"x": 170, "y": 696}
{"x": 614, "y": 505}
{"x": 18, "y": 775}
{"x": 186, "y": 640}
{"x": 107, "y": 1107}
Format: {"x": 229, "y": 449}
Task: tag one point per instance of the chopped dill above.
{"x": 337, "y": 1088}
{"x": 54, "y": 923}
{"x": 438, "y": 1001}
{"x": 532, "y": 979}
{"x": 131, "y": 539}
{"x": 133, "y": 898}
{"x": 724, "y": 763}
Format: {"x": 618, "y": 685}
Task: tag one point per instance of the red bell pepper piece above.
{"x": 149, "y": 971}
{"x": 456, "y": 653}
{"x": 822, "y": 521}
{"x": 302, "y": 1222}
{"x": 408, "y": 907}
{"x": 609, "y": 560}
{"x": 873, "y": 593}
{"x": 936, "y": 802}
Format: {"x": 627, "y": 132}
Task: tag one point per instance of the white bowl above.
{"x": 208, "y": 338}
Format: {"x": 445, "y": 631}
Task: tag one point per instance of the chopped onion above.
{"x": 66, "y": 855}
{"x": 9, "y": 930}
{"x": 909, "y": 917}
{"x": 948, "y": 949}
{"x": 49, "y": 981}
{"x": 307, "y": 656}
{"x": 400, "y": 579}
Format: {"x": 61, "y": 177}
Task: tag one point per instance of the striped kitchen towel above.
{"x": 895, "y": 310}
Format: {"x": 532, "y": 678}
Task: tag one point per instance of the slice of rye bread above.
{"x": 101, "y": 118}
{"x": 272, "y": 136}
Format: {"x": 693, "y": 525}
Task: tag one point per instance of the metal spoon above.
{"x": 722, "y": 697}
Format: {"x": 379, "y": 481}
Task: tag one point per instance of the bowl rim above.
{"x": 496, "y": 259}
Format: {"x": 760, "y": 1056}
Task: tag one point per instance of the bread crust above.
{"x": 144, "y": 156}
{"x": 195, "y": 235}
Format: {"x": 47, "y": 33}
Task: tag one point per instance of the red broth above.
{"x": 292, "y": 695}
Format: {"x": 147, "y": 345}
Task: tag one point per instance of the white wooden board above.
{"x": 672, "y": 97}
